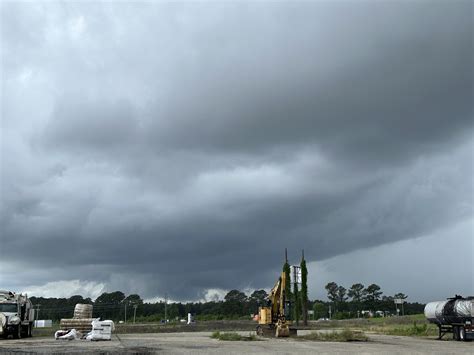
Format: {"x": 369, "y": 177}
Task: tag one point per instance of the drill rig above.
{"x": 273, "y": 319}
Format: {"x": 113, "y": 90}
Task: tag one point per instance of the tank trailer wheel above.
{"x": 456, "y": 332}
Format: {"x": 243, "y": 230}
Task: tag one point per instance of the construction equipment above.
{"x": 273, "y": 320}
{"x": 16, "y": 315}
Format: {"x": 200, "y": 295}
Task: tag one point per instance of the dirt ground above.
{"x": 201, "y": 343}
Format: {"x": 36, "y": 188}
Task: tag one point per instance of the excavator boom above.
{"x": 272, "y": 320}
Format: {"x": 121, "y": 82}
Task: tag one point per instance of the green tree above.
{"x": 257, "y": 299}
{"x": 235, "y": 296}
{"x": 332, "y": 290}
{"x": 341, "y": 294}
{"x": 320, "y": 310}
{"x": 110, "y": 298}
{"x": 286, "y": 270}
{"x": 372, "y": 295}
{"x": 73, "y": 300}
{"x": 304, "y": 289}
{"x": 235, "y": 303}
{"x": 356, "y": 292}
{"x": 109, "y": 305}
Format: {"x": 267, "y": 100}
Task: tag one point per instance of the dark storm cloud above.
{"x": 185, "y": 146}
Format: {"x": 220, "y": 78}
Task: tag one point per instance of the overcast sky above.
{"x": 180, "y": 147}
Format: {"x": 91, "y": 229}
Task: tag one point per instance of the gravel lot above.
{"x": 201, "y": 343}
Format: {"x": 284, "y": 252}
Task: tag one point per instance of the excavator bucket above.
{"x": 282, "y": 331}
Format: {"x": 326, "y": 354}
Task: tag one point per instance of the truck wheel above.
{"x": 30, "y": 330}
{"x": 17, "y": 332}
{"x": 24, "y": 331}
{"x": 462, "y": 334}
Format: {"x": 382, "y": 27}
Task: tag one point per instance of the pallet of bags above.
{"x": 82, "y": 325}
{"x": 101, "y": 330}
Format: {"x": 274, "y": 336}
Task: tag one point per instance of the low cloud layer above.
{"x": 180, "y": 148}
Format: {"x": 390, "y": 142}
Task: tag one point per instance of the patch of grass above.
{"x": 413, "y": 330}
{"x": 342, "y": 336}
{"x": 233, "y": 336}
{"x": 46, "y": 332}
{"x": 409, "y": 319}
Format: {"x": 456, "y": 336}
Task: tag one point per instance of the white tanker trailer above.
{"x": 455, "y": 315}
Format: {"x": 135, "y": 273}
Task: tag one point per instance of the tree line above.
{"x": 359, "y": 301}
{"x": 117, "y": 306}
{"x": 235, "y": 305}
{"x": 342, "y": 303}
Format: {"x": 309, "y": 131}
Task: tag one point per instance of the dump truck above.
{"x": 17, "y": 315}
{"x": 455, "y": 315}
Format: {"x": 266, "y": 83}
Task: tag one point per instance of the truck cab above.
{"x": 16, "y": 315}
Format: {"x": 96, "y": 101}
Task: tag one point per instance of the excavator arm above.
{"x": 274, "y": 316}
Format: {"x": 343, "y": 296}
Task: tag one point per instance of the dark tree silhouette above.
{"x": 304, "y": 289}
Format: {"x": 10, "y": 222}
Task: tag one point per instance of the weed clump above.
{"x": 233, "y": 336}
{"x": 341, "y": 336}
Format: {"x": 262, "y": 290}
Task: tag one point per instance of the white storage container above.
{"x": 45, "y": 323}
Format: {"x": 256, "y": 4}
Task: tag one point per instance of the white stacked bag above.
{"x": 72, "y": 334}
{"x": 101, "y": 330}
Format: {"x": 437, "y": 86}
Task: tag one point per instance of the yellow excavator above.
{"x": 273, "y": 319}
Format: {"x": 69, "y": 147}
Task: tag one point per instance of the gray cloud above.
{"x": 182, "y": 147}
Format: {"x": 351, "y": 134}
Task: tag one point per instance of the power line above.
{"x": 100, "y": 305}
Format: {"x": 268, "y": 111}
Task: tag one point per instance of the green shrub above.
{"x": 342, "y": 315}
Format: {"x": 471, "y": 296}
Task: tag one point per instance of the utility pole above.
{"x": 166, "y": 303}
{"x": 37, "y": 311}
{"x": 125, "y": 313}
{"x": 134, "y": 312}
